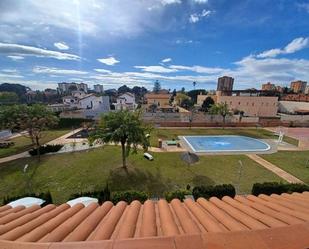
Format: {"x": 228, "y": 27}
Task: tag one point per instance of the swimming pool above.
{"x": 225, "y": 143}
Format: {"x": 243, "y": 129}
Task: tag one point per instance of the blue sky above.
{"x": 135, "y": 42}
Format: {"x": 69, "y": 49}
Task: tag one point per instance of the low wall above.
{"x": 292, "y": 106}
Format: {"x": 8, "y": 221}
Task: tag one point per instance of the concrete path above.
{"x": 273, "y": 168}
{"x": 59, "y": 140}
{"x": 14, "y": 157}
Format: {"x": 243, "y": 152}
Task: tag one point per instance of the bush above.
{"x": 178, "y": 194}
{"x": 101, "y": 195}
{"x": 269, "y": 188}
{"x": 217, "y": 191}
{"x": 72, "y": 122}
{"x": 49, "y": 148}
{"x": 45, "y": 196}
{"x": 129, "y": 196}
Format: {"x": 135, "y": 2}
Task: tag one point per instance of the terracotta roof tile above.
{"x": 276, "y": 221}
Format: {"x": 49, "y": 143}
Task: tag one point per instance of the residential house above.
{"x": 125, "y": 101}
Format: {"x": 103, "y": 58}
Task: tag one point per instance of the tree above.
{"x": 156, "y": 87}
{"x": 8, "y": 98}
{"x": 153, "y": 107}
{"x": 122, "y": 127}
{"x": 194, "y": 84}
{"x": 194, "y": 93}
{"x": 34, "y": 119}
{"x": 220, "y": 109}
{"x": 124, "y": 89}
{"x": 207, "y": 103}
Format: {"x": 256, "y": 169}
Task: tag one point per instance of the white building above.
{"x": 126, "y": 101}
{"x": 98, "y": 88}
{"x": 69, "y": 87}
{"x": 95, "y": 103}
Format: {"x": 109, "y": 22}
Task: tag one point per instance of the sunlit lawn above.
{"x": 294, "y": 162}
{"x": 69, "y": 173}
{"x": 23, "y": 143}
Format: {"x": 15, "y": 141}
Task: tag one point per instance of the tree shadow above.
{"x": 135, "y": 179}
{"x": 199, "y": 180}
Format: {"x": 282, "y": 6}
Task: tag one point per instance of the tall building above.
{"x": 268, "y": 87}
{"x": 225, "y": 84}
{"x": 298, "y": 86}
{"x": 98, "y": 88}
{"x": 66, "y": 88}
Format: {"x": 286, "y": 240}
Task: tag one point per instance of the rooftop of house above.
{"x": 276, "y": 221}
{"x": 158, "y": 96}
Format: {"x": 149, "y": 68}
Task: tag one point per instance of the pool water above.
{"x": 225, "y": 144}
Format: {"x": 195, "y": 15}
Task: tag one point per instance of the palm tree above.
{"x": 220, "y": 109}
{"x": 194, "y": 84}
{"x": 122, "y": 127}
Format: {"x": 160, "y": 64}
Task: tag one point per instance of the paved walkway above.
{"x": 273, "y": 168}
{"x": 59, "y": 140}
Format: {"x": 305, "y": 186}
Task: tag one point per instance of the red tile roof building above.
{"x": 276, "y": 221}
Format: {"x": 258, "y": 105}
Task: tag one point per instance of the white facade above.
{"x": 95, "y": 103}
{"x": 126, "y": 101}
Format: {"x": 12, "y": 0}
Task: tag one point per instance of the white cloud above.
{"x": 61, "y": 45}
{"x": 166, "y": 60}
{"x": 100, "y": 70}
{"x": 9, "y": 70}
{"x": 53, "y": 70}
{"x": 200, "y": 1}
{"x": 15, "y": 57}
{"x": 8, "y": 75}
{"x": 294, "y": 46}
{"x": 196, "y": 17}
{"x": 22, "y": 50}
{"x": 156, "y": 69}
{"x": 110, "y": 61}
{"x": 167, "y": 2}
{"x": 198, "y": 69}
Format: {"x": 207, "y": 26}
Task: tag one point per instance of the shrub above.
{"x": 217, "y": 191}
{"x": 269, "y": 188}
{"x": 178, "y": 194}
{"x": 49, "y": 148}
{"x": 72, "y": 122}
{"x": 129, "y": 196}
{"x": 101, "y": 195}
{"x": 45, "y": 196}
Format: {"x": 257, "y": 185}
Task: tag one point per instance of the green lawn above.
{"x": 251, "y": 132}
{"x": 65, "y": 174}
{"x": 24, "y": 143}
{"x": 294, "y": 162}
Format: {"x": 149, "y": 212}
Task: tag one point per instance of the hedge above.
{"x": 129, "y": 196}
{"x": 101, "y": 195}
{"x": 72, "y": 122}
{"x": 269, "y": 188}
{"x": 178, "y": 194}
{"x": 45, "y": 196}
{"x": 217, "y": 191}
{"x": 48, "y": 148}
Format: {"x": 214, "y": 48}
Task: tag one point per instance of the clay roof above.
{"x": 276, "y": 221}
{"x": 158, "y": 96}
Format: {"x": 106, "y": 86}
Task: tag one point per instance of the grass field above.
{"x": 251, "y": 132}
{"x": 65, "y": 174}
{"x": 23, "y": 143}
{"x": 294, "y": 162}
